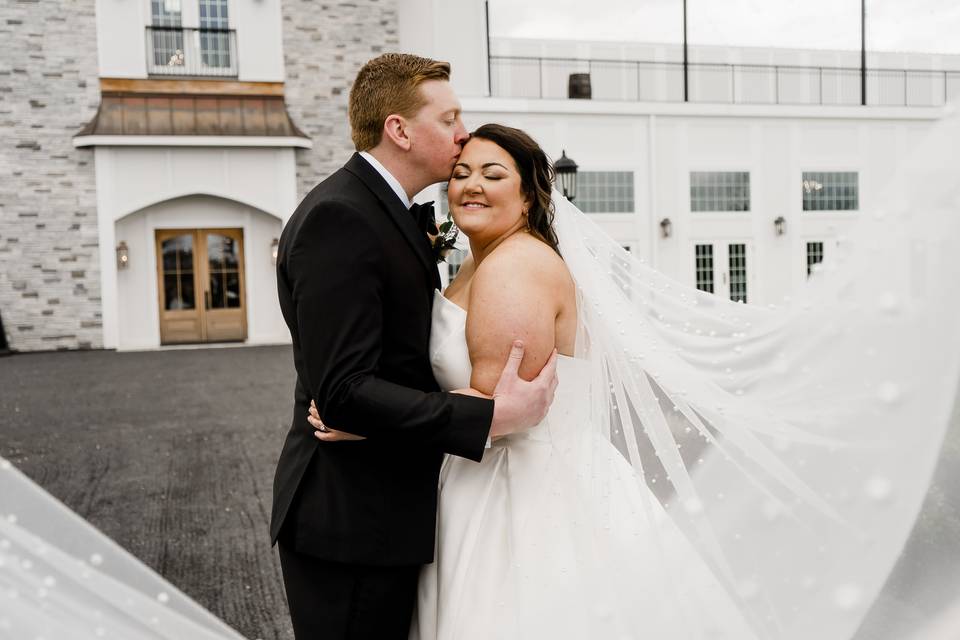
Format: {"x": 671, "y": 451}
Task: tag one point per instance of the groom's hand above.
{"x": 519, "y": 404}
{"x": 325, "y": 433}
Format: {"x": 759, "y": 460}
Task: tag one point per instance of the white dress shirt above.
{"x": 393, "y": 182}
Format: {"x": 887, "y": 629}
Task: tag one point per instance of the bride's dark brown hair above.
{"x": 536, "y": 177}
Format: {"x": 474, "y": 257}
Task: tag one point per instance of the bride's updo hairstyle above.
{"x": 536, "y": 176}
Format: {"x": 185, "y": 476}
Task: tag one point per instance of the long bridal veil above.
{"x": 795, "y": 446}
{"x": 61, "y": 579}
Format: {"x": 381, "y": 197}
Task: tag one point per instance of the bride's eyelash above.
{"x": 461, "y": 176}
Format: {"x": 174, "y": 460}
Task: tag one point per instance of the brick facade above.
{"x": 49, "y": 260}
{"x": 49, "y": 89}
{"x": 324, "y": 46}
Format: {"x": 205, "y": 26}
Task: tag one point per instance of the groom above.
{"x": 356, "y": 519}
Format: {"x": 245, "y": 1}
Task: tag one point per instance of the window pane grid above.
{"x": 831, "y": 191}
{"x": 178, "y": 273}
{"x": 605, "y": 191}
{"x": 738, "y": 272}
{"x": 214, "y": 44}
{"x": 704, "y": 267}
{"x": 719, "y": 191}
{"x": 814, "y": 255}
{"x": 165, "y": 13}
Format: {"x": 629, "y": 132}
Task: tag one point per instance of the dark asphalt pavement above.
{"x": 171, "y": 454}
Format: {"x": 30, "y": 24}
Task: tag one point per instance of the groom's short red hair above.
{"x": 386, "y": 85}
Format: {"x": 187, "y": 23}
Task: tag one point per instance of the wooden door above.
{"x": 201, "y": 285}
{"x": 225, "y": 317}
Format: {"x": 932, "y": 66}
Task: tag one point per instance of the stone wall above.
{"x": 325, "y": 44}
{"x": 49, "y": 261}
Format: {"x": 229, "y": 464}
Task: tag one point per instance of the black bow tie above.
{"x": 424, "y": 217}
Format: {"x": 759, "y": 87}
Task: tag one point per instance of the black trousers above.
{"x": 333, "y": 601}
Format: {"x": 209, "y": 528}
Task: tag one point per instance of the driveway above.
{"x": 171, "y": 454}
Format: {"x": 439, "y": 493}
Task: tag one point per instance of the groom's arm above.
{"x": 335, "y": 271}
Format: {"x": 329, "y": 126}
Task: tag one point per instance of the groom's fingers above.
{"x": 512, "y": 368}
{"x": 332, "y": 435}
{"x": 548, "y": 375}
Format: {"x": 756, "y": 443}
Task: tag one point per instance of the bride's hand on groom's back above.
{"x": 519, "y": 404}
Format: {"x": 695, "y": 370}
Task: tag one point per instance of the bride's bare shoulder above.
{"x": 524, "y": 259}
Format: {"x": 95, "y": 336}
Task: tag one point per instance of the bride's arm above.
{"x": 513, "y": 295}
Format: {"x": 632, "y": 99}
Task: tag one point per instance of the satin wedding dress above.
{"x": 547, "y": 537}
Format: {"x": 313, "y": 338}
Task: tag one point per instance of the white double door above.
{"x": 722, "y": 268}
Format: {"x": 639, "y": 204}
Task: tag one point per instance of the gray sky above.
{"x": 892, "y": 25}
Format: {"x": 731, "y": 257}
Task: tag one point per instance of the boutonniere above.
{"x": 445, "y": 240}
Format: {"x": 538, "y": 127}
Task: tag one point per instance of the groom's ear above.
{"x": 395, "y": 130}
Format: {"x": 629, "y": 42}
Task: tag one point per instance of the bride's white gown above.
{"x": 553, "y": 536}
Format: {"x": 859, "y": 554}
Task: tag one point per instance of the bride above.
{"x": 532, "y": 539}
{"x": 708, "y": 469}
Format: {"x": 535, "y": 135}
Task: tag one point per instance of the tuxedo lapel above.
{"x": 401, "y": 217}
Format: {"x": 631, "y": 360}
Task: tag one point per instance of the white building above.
{"x": 743, "y": 189}
{"x": 149, "y": 180}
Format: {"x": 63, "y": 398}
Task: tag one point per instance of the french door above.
{"x": 721, "y": 268}
{"x": 201, "y": 285}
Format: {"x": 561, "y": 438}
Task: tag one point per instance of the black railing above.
{"x": 637, "y": 80}
{"x": 179, "y": 51}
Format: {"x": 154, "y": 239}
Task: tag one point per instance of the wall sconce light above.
{"x": 123, "y": 255}
{"x": 666, "y": 227}
{"x": 274, "y": 249}
{"x": 780, "y": 225}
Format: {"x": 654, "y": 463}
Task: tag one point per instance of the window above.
{"x": 738, "y": 272}
{"x": 214, "y": 37}
{"x": 719, "y": 191}
{"x": 814, "y": 256}
{"x": 213, "y": 14}
{"x": 826, "y": 191}
{"x": 605, "y": 191}
{"x": 165, "y": 13}
{"x": 704, "y": 267}
{"x": 454, "y": 260}
{"x": 442, "y": 205}
{"x": 166, "y": 33}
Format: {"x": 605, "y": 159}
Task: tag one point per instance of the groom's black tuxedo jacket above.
{"x": 356, "y": 278}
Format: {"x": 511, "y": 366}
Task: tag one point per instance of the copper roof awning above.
{"x": 168, "y": 112}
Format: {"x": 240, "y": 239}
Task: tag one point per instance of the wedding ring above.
{"x": 323, "y": 428}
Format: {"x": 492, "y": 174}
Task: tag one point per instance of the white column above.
{"x": 108, "y": 253}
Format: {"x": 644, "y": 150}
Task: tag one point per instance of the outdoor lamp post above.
{"x": 780, "y": 225}
{"x": 123, "y": 255}
{"x": 666, "y": 227}
{"x": 566, "y": 170}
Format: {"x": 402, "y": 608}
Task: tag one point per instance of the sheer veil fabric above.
{"x": 61, "y": 579}
{"x": 795, "y": 445}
